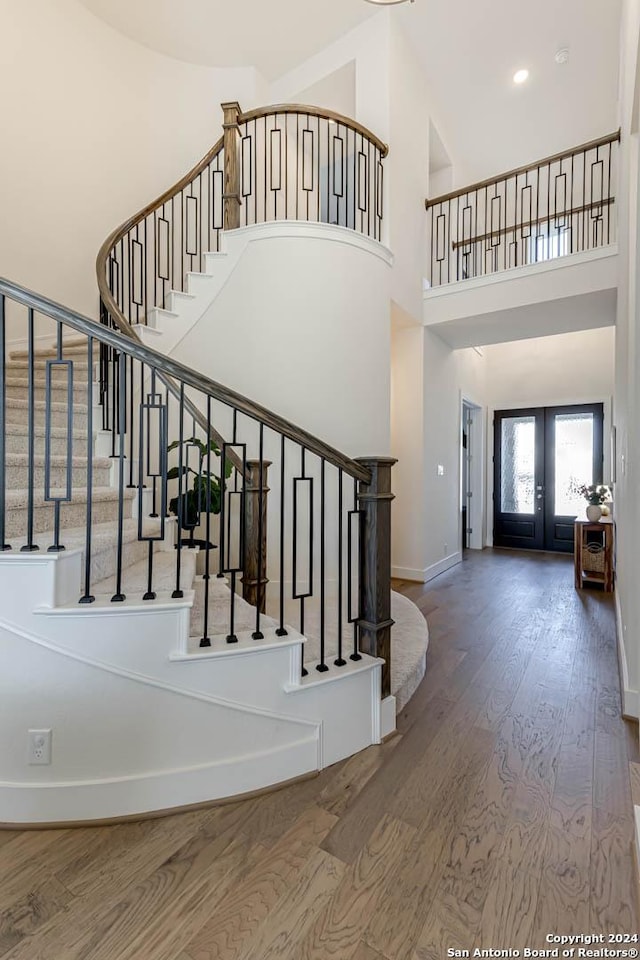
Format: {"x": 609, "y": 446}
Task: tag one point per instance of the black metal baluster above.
{"x": 537, "y": 225}
{"x": 178, "y": 593}
{"x": 281, "y": 631}
{"x": 322, "y": 666}
{"x": 30, "y": 546}
{"x": 301, "y": 596}
{"x": 265, "y": 169}
{"x": 129, "y": 368}
{"x": 433, "y": 260}
{"x": 340, "y": 661}
{"x": 56, "y": 546}
{"x": 570, "y": 215}
{"x": 608, "y": 205}
{"x": 115, "y": 392}
{"x": 205, "y": 640}
{"x": 3, "y": 436}
{"x": 119, "y": 596}
{"x": 87, "y": 597}
{"x": 584, "y": 197}
{"x": 154, "y": 467}
{"x": 355, "y": 655}
{"x": 258, "y": 634}
{"x": 235, "y": 569}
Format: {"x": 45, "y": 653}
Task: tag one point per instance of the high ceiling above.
{"x": 469, "y": 50}
{"x": 272, "y": 35}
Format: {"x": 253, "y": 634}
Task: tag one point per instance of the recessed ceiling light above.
{"x": 520, "y": 76}
{"x": 387, "y": 3}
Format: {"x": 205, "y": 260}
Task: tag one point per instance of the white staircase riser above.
{"x": 208, "y": 727}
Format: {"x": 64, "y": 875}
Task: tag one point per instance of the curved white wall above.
{"x": 302, "y": 325}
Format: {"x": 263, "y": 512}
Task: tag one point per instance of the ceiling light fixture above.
{"x": 388, "y": 3}
{"x": 520, "y": 76}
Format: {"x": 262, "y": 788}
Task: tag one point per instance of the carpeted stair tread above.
{"x": 40, "y": 406}
{"x": 409, "y": 642}
{"x": 135, "y": 576}
{"x": 18, "y": 429}
{"x": 16, "y": 499}
{"x": 55, "y": 459}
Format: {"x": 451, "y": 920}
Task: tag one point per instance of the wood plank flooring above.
{"x": 500, "y": 812}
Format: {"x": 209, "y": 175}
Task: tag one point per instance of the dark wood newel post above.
{"x": 374, "y": 501}
{"x": 254, "y": 579}
{"x": 231, "y": 193}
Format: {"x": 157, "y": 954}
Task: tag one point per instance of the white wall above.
{"x": 93, "y": 127}
{"x": 408, "y": 172}
{"x": 407, "y": 445}
{"x": 628, "y": 368}
{"x": 302, "y": 326}
{"x": 391, "y": 99}
{"x": 549, "y": 371}
{"x": 430, "y": 380}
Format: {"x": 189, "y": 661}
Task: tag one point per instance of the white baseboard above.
{"x": 428, "y": 573}
{"x": 630, "y": 697}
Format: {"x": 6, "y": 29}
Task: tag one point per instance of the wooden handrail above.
{"x": 116, "y": 235}
{"x": 233, "y": 117}
{"x": 133, "y": 347}
{"x": 554, "y": 158}
{"x": 316, "y": 112}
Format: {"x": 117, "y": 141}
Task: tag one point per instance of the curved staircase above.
{"x": 169, "y": 669}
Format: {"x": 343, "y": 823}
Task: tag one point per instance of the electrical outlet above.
{"x": 39, "y": 747}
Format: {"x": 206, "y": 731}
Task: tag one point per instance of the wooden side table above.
{"x": 593, "y": 553}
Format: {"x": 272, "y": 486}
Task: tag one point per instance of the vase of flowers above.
{"x": 596, "y": 494}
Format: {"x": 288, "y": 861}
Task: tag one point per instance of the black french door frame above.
{"x": 542, "y": 529}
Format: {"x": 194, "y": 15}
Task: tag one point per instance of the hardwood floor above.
{"x": 501, "y": 812}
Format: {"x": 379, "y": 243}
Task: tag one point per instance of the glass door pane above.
{"x": 574, "y": 436}
{"x": 518, "y": 459}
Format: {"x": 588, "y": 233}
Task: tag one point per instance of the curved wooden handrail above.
{"x": 117, "y": 235}
{"x": 172, "y": 369}
{"x": 121, "y": 231}
{"x": 316, "y": 112}
{"x": 220, "y": 392}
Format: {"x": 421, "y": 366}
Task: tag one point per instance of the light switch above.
{"x": 440, "y": 470}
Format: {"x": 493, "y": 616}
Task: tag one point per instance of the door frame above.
{"x": 477, "y": 513}
{"x": 518, "y": 403}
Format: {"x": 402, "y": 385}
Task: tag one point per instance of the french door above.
{"x": 541, "y": 456}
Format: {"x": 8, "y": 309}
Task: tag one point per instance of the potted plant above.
{"x": 596, "y": 494}
{"x": 205, "y": 493}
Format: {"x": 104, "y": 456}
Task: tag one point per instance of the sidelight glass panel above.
{"x": 574, "y": 461}
{"x": 518, "y": 464}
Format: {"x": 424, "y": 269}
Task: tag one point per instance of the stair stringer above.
{"x": 139, "y": 725}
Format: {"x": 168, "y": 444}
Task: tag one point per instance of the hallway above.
{"x": 500, "y": 814}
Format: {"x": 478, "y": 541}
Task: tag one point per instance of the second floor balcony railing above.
{"x": 561, "y": 205}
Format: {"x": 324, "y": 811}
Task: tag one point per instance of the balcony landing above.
{"x": 563, "y": 295}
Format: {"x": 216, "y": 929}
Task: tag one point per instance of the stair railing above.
{"x": 286, "y": 162}
{"x": 326, "y": 531}
{"x": 561, "y": 205}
